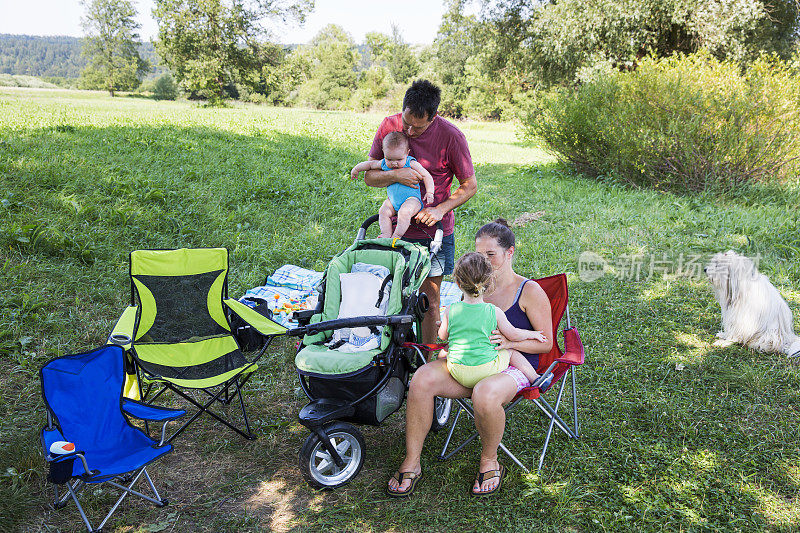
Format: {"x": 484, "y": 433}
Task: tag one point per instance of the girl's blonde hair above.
{"x": 473, "y": 273}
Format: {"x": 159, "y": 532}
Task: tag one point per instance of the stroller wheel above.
{"x": 441, "y": 412}
{"x": 317, "y": 465}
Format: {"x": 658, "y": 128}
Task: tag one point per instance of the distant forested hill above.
{"x": 53, "y": 56}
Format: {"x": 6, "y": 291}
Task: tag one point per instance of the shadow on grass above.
{"x": 692, "y": 448}
{"x": 116, "y": 189}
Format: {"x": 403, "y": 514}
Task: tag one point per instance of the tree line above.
{"x": 489, "y": 62}
{"x": 57, "y": 56}
{"x": 41, "y": 56}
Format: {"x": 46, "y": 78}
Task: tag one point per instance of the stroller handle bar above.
{"x": 436, "y": 243}
{"x": 355, "y": 322}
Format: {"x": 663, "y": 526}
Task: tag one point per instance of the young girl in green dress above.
{"x": 467, "y": 326}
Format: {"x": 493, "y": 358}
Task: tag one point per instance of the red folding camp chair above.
{"x": 555, "y": 362}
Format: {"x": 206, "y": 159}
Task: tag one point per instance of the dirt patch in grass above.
{"x": 526, "y": 218}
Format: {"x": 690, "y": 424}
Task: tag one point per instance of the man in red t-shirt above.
{"x": 442, "y": 149}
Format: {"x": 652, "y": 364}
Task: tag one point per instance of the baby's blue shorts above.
{"x": 399, "y": 193}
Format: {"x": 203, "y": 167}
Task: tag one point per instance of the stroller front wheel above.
{"x": 317, "y": 464}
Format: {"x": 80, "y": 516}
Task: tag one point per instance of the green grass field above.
{"x": 676, "y": 434}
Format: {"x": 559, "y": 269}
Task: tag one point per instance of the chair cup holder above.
{"x": 60, "y": 471}
{"x": 120, "y": 339}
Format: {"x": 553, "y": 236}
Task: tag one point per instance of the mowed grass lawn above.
{"x": 676, "y": 434}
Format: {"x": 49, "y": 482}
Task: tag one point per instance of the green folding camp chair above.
{"x": 177, "y": 331}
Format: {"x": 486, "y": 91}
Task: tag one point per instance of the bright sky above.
{"x": 418, "y": 20}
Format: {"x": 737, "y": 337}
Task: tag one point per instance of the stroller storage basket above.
{"x": 374, "y": 409}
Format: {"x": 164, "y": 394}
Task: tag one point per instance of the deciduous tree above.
{"x": 165, "y": 88}
{"x": 212, "y": 44}
{"x": 111, "y": 45}
{"x": 568, "y": 40}
{"x": 455, "y": 42}
{"x": 377, "y": 46}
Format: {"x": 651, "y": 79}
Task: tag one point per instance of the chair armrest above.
{"x": 125, "y": 326}
{"x": 53, "y": 459}
{"x": 51, "y": 434}
{"x": 574, "y": 354}
{"x": 262, "y": 324}
{"x": 150, "y": 412}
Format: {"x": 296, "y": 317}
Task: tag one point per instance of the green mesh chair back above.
{"x": 178, "y": 333}
{"x": 182, "y": 333}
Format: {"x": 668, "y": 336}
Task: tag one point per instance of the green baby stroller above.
{"x": 354, "y": 364}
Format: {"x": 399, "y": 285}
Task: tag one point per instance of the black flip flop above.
{"x": 400, "y": 477}
{"x": 489, "y": 474}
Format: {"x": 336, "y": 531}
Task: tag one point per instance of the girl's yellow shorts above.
{"x": 469, "y": 376}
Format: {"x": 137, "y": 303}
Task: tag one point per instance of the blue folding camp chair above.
{"x": 85, "y": 408}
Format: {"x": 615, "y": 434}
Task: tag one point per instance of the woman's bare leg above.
{"x": 488, "y": 398}
{"x": 430, "y": 380}
{"x": 432, "y": 286}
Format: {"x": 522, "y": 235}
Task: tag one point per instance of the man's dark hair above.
{"x": 422, "y": 99}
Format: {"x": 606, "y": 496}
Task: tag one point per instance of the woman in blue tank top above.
{"x": 527, "y": 307}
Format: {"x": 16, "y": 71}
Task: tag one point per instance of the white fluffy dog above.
{"x": 753, "y": 311}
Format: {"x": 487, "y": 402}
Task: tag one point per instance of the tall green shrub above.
{"x": 684, "y": 122}
{"x": 165, "y": 87}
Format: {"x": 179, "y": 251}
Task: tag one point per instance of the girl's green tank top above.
{"x": 468, "y": 329}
